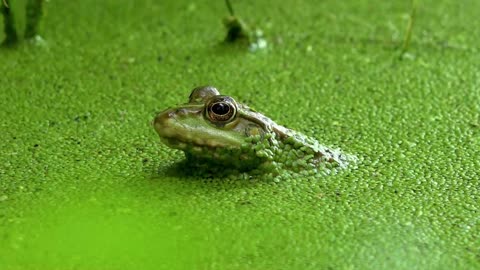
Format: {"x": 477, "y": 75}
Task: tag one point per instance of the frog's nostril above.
{"x": 181, "y": 111}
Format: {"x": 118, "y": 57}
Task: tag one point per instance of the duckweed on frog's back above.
{"x": 215, "y": 130}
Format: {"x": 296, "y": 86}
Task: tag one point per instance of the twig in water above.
{"x": 408, "y": 34}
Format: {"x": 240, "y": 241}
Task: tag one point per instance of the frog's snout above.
{"x": 168, "y": 123}
{"x": 160, "y": 123}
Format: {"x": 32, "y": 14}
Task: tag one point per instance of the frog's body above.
{"x": 212, "y": 128}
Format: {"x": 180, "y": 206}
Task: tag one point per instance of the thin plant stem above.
{"x": 229, "y": 7}
{"x": 408, "y": 33}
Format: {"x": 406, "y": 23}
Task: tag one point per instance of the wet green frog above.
{"x": 215, "y": 129}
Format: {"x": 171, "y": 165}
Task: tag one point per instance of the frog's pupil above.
{"x": 220, "y": 108}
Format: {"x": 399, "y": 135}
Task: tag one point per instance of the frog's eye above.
{"x": 202, "y": 93}
{"x": 221, "y": 109}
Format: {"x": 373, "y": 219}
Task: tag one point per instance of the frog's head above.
{"x": 209, "y": 124}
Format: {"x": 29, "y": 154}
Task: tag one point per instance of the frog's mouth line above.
{"x": 187, "y": 132}
{"x": 181, "y": 142}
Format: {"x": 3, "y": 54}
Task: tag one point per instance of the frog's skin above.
{"x": 213, "y": 128}
{"x": 34, "y": 12}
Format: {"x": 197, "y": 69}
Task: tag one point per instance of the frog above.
{"x": 215, "y": 130}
